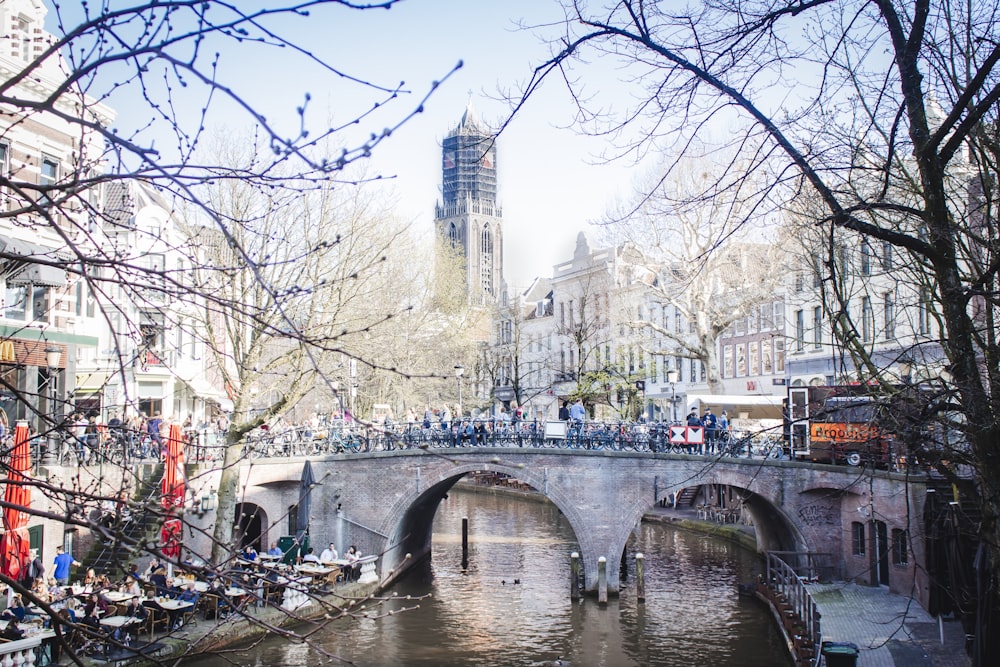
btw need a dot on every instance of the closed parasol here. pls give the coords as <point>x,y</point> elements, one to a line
<point>306,483</point>
<point>173,489</point>
<point>15,545</point>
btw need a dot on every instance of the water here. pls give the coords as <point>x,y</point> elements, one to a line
<point>692,615</point>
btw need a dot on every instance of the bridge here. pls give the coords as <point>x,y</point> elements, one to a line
<point>384,502</point>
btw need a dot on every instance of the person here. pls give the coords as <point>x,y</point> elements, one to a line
<point>329,554</point>
<point>154,565</point>
<point>16,611</point>
<point>428,416</point>
<point>62,564</point>
<point>564,411</point>
<point>159,580</point>
<point>92,611</point>
<point>249,553</point>
<point>578,412</point>
<point>12,632</point>
<point>35,569</point>
<point>90,579</point>
<point>310,557</point>
<point>692,419</point>
<point>153,429</point>
<point>188,594</point>
<point>709,422</point>
<point>353,556</point>
<point>274,550</point>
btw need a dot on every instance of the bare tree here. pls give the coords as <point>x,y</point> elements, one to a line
<point>712,265</point>
<point>274,291</point>
<point>853,125</point>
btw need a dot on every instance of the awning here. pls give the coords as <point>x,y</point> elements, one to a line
<point>202,389</point>
<point>20,267</point>
<point>94,381</point>
<point>760,406</point>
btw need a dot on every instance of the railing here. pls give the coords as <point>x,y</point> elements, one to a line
<point>790,599</point>
<point>20,651</point>
<point>659,437</point>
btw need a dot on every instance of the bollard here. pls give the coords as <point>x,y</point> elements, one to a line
<point>574,576</point>
<point>465,543</point>
<point>602,581</point>
<point>640,577</point>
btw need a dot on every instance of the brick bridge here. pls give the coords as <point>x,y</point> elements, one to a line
<point>385,502</point>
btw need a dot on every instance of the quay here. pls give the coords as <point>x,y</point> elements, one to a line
<point>889,629</point>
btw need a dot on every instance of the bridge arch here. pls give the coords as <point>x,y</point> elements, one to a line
<point>409,521</point>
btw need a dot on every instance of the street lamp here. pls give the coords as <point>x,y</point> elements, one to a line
<point>459,372</point>
<point>53,357</point>
<point>672,377</point>
<point>905,368</point>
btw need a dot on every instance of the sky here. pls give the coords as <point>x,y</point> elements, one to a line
<point>551,183</point>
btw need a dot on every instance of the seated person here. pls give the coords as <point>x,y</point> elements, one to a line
<point>188,594</point>
<point>310,557</point>
<point>154,565</point>
<point>329,554</point>
<point>353,556</point>
<point>274,550</point>
<point>249,553</point>
<point>15,611</point>
<point>12,632</point>
<point>89,579</point>
<point>159,579</point>
<point>92,611</point>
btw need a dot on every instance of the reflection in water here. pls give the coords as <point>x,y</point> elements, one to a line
<point>692,615</point>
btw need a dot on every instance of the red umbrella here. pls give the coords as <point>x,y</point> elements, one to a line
<point>173,489</point>
<point>174,483</point>
<point>15,544</point>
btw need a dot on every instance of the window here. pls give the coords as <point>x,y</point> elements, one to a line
<point>4,172</point>
<point>886,256</point>
<point>867,319</point>
<point>924,312</point>
<point>486,270</point>
<point>866,258</point>
<point>693,368</point>
<point>817,327</point>
<point>727,361</point>
<point>779,315</point>
<point>766,368</point>
<point>800,330</point>
<point>857,538</point>
<point>753,321</point>
<point>779,356</point>
<point>900,555</point>
<point>890,316</point>
<point>40,304</point>
<point>15,302</point>
<point>741,360</point>
<point>800,281</point>
<point>48,176</point>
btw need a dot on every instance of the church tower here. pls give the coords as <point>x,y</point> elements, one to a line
<point>468,216</point>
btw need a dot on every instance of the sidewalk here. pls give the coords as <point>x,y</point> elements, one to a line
<point>890,630</point>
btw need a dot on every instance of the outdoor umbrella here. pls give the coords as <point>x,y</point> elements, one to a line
<point>15,544</point>
<point>308,481</point>
<point>173,491</point>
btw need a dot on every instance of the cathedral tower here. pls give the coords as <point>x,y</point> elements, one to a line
<point>468,215</point>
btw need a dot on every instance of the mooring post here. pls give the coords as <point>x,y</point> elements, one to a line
<point>602,581</point>
<point>574,576</point>
<point>465,543</point>
<point>640,577</point>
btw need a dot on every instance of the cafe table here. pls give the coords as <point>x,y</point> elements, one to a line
<point>118,596</point>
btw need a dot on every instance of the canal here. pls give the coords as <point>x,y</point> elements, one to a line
<point>512,605</point>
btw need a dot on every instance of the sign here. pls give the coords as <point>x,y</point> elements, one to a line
<point>7,353</point>
<point>504,393</point>
<point>842,432</point>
